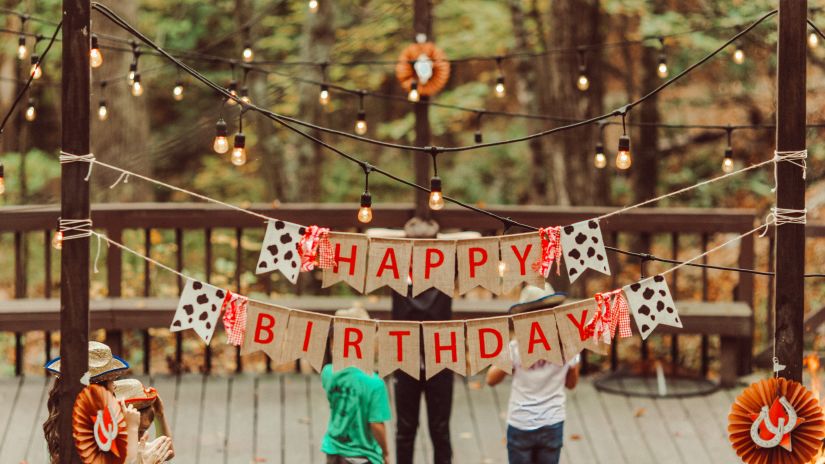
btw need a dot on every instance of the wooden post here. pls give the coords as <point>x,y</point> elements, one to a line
<point>790,190</point>
<point>74,266</point>
<point>422,24</point>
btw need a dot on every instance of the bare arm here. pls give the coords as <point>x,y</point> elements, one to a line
<point>162,425</point>
<point>572,377</point>
<point>379,431</point>
<point>495,376</point>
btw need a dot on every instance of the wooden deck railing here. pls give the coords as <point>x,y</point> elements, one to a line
<point>37,223</point>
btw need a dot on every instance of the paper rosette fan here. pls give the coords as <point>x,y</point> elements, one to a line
<point>799,445</point>
<point>99,427</point>
<point>425,64</point>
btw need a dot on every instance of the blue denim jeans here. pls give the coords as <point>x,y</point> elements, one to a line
<point>540,446</point>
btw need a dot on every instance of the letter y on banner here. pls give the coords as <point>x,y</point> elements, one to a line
<point>572,321</point>
<point>444,347</point>
<point>399,347</point>
<point>306,338</point>
<point>349,257</point>
<point>518,253</point>
<point>265,330</point>
<point>488,343</point>
<point>353,344</point>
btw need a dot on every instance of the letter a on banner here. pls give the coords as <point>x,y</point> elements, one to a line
<point>265,330</point>
<point>571,320</point>
<point>349,257</point>
<point>518,253</point>
<point>433,265</point>
<point>488,343</point>
<point>353,344</point>
<point>388,264</point>
<point>478,264</point>
<point>444,347</point>
<point>399,347</point>
<point>538,338</point>
<point>306,338</point>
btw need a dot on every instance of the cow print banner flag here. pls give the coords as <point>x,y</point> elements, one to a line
<point>583,248</point>
<point>651,304</point>
<point>198,309</point>
<point>279,250</point>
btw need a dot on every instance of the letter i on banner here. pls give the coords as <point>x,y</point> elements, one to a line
<point>488,343</point>
<point>538,338</point>
<point>478,264</point>
<point>265,330</point>
<point>444,347</point>
<point>399,347</point>
<point>433,265</point>
<point>572,320</point>
<point>349,254</point>
<point>518,254</point>
<point>353,344</point>
<point>388,264</point>
<point>306,338</point>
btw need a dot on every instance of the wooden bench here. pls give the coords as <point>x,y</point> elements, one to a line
<point>732,321</point>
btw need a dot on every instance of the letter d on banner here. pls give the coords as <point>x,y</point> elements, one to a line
<point>488,343</point>
<point>265,330</point>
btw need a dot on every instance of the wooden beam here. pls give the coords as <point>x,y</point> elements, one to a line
<point>422,24</point>
<point>789,308</point>
<point>74,267</point>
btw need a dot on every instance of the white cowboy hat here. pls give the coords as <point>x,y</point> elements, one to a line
<point>103,365</point>
<point>533,298</point>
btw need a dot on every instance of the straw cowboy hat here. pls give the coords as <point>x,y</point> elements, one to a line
<point>103,365</point>
<point>132,391</point>
<point>533,298</point>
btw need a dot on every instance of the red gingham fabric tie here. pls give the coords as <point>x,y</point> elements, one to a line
<point>550,251</point>
<point>315,249</point>
<point>613,313</point>
<point>234,318</point>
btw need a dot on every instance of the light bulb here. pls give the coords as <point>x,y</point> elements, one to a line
<point>137,87</point>
<point>727,163</point>
<point>36,69</point>
<point>233,90</point>
<point>238,157</point>
<point>95,57</point>
<point>245,95</point>
<point>248,54</point>
<point>323,97</point>
<point>102,111</point>
<point>500,89</point>
<point>365,211</point>
<point>414,96</point>
<point>502,268</point>
<point>361,123</point>
<point>599,160</point>
<point>22,51</point>
<point>221,143</point>
<point>623,157</point>
<point>583,83</point>
<point>132,72</point>
<point>661,70</point>
<point>313,6</point>
<point>177,91</point>
<point>813,40</point>
<point>436,197</point>
<point>31,111</point>
<point>57,240</point>
<point>738,56</point>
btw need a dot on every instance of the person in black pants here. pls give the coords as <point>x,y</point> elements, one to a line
<point>430,305</point>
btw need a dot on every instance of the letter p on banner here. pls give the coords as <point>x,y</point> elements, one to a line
<point>265,330</point>
<point>478,264</point>
<point>488,343</point>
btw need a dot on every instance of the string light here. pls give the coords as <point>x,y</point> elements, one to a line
<point>248,55</point>
<point>132,72</point>
<point>661,69</point>
<point>221,143</point>
<point>727,162</point>
<point>413,96</point>
<point>31,111</point>
<point>582,82</point>
<point>37,67</point>
<point>137,87</point>
<point>623,156</point>
<point>133,66</point>
<point>738,55</point>
<point>365,211</point>
<point>57,240</point>
<point>238,156</point>
<point>177,91</point>
<point>323,96</point>
<point>361,120</point>
<point>478,138</point>
<point>313,6</point>
<point>599,159</point>
<point>245,95</point>
<point>22,51</point>
<point>102,110</point>
<point>813,40</point>
<point>436,196</point>
<point>233,90</point>
<point>95,57</point>
<point>499,88</point>
<point>2,180</point>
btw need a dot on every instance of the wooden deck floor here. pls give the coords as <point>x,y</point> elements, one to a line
<point>281,419</point>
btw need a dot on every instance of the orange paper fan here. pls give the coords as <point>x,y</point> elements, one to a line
<point>405,70</point>
<point>99,427</point>
<point>805,439</point>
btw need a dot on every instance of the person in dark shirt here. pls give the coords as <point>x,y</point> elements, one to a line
<point>430,305</point>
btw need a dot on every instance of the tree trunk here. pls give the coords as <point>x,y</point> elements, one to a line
<point>644,172</point>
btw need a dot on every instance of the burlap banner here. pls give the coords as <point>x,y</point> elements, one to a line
<point>388,264</point>
<point>518,253</point>
<point>399,347</point>
<point>478,264</point>
<point>488,344</point>
<point>538,338</point>
<point>265,330</point>
<point>353,344</point>
<point>349,253</point>
<point>444,347</point>
<point>433,265</point>
<point>571,320</point>
<point>306,338</point>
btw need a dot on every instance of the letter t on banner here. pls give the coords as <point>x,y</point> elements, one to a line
<point>444,347</point>
<point>488,343</point>
<point>306,338</point>
<point>399,347</point>
<point>353,344</point>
